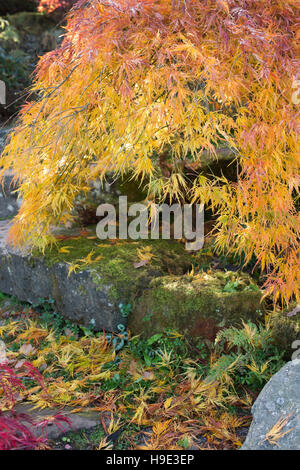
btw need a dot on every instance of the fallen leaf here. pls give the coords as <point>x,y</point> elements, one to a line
<point>168,403</point>
<point>148,375</point>
<point>277,431</point>
<point>27,349</point>
<point>64,249</point>
<point>139,264</point>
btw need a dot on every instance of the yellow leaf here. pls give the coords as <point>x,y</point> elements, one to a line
<point>64,249</point>
<point>168,403</point>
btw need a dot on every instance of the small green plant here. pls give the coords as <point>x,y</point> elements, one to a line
<point>50,318</point>
<point>125,309</point>
<point>185,443</point>
<point>3,296</point>
<point>149,350</point>
<point>85,439</point>
<point>246,356</point>
<point>232,286</point>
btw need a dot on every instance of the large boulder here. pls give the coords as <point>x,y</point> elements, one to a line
<point>276,412</point>
<point>92,283</point>
<point>92,293</point>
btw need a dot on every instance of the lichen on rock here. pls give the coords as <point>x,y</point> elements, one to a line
<point>278,405</point>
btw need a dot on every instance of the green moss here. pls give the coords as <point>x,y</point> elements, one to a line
<point>161,292</point>
<point>115,267</point>
<point>197,305</point>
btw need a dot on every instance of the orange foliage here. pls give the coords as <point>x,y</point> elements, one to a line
<point>134,78</point>
<point>50,6</point>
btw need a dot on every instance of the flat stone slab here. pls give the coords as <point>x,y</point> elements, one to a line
<point>31,279</point>
<point>277,404</point>
<point>77,421</point>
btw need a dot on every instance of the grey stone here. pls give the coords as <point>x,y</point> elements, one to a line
<point>77,421</point>
<point>77,296</point>
<point>9,201</point>
<point>4,131</point>
<point>279,399</point>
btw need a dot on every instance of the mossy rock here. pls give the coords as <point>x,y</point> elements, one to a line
<point>161,293</point>
<point>197,306</point>
<point>285,330</point>
<point>89,278</point>
<point>115,265</point>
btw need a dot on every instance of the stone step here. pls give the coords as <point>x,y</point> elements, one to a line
<point>83,420</point>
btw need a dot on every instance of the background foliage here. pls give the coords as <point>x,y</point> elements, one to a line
<point>50,6</point>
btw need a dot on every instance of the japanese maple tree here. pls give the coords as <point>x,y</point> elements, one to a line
<point>135,79</point>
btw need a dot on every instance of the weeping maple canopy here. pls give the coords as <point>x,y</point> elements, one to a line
<point>134,78</point>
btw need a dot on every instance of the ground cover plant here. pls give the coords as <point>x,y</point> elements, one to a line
<point>151,394</point>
